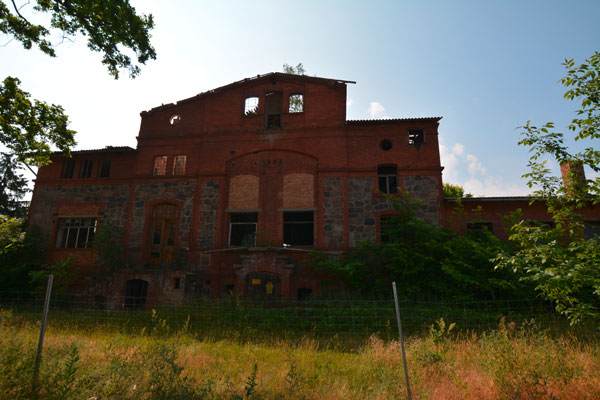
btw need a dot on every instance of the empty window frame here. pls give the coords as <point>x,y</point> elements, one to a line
<point>273,111</point>
<point>85,170</point>
<point>179,165</point>
<point>75,233</point>
<point>251,106</point>
<point>296,103</point>
<point>416,137</point>
<point>68,169</point>
<point>104,169</point>
<point>480,226</point>
<point>298,228</point>
<point>242,229</point>
<point>160,165</point>
<point>387,176</point>
<point>592,229</point>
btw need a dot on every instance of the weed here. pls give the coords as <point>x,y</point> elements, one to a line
<point>251,384</point>
<point>65,379</point>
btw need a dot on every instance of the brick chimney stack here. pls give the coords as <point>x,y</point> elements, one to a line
<point>572,174</point>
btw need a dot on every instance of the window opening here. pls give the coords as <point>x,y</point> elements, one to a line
<point>136,291</point>
<point>296,103</point>
<point>104,169</point>
<point>273,113</point>
<point>177,283</point>
<point>162,251</point>
<point>298,228</point>
<point>174,119</point>
<point>480,226</point>
<point>242,230</point>
<point>179,165</point>
<point>85,171</point>
<point>388,178</point>
<point>68,168</point>
<point>385,145</point>
<point>385,224</point>
<point>304,294</point>
<point>251,106</point>
<point>416,137</point>
<point>75,233</point>
<point>160,165</point>
<point>592,228</point>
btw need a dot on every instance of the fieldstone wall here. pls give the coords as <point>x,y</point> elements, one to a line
<point>112,200</point>
<point>333,212</point>
<point>209,205</point>
<point>425,187</point>
<point>180,191</point>
<point>361,204</point>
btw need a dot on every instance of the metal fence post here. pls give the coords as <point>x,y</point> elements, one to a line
<point>38,356</point>
<point>401,340</point>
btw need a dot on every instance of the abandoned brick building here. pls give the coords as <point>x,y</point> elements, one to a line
<point>231,190</point>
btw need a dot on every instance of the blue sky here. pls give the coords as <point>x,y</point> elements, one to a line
<point>486,67</point>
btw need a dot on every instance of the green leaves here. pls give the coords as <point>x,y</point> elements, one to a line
<point>29,129</point>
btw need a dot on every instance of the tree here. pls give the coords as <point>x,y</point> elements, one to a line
<point>563,264</point>
<point>297,70</point>
<point>457,191</point>
<point>13,187</point>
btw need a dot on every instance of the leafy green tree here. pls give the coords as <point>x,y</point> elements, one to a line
<point>451,190</point>
<point>13,187</point>
<point>297,70</point>
<point>563,264</point>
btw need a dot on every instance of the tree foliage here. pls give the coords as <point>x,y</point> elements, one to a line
<point>563,264</point>
<point>13,187</point>
<point>109,25</point>
<point>457,191</point>
<point>297,70</point>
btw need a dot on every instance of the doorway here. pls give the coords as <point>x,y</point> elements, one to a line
<point>262,286</point>
<point>163,233</point>
<point>136,291</point>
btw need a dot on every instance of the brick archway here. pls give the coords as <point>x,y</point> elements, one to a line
<point>264,261</point>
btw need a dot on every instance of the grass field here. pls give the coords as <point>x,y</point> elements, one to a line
<point>171,358</point>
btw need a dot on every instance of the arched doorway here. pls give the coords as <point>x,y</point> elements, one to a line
<point>263,286</point>
<point>162,240</point>
<point>136,291</point>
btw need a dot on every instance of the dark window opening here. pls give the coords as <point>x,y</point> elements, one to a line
<point>273,111</point>
<point>177,283</point>
<point>385,224</point>
<point>480,226</point>
<point>68,168</point>
<point>385,145</point>
<point>298,228</point>
<point>296,103</point>
<point>388,178</point>
<point>304,294</point>
<point>85,170</point>
<point>75,233</point>
<point>416,137</point>
<point>104,170</point>
<point>251,106</point>
<point>242,230</point>
<point>592,228</point>
<point>136,291</point>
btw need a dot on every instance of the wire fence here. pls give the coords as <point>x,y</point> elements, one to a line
<point>315,317</point>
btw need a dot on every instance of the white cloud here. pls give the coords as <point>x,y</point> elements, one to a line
<point>493,186</point>
<point>449,161</point>
<point>458,149</point>
<point>376,110</point>
<point>475,166</point>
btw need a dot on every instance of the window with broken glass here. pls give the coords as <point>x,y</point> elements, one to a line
<point>160,165</point>
<point>298,228</point>
<point>75,233</point>
<point>296,103</point>
<point>179,165</point>
<point>387,176</point>
<point>242,229</point>
<point>416,137</point>
<point>251,106</point>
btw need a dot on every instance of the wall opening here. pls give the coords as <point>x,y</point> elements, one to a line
<point>273,111</point>
<point>242,229</point>
<point>387,176</point>
<point>298,228</point>
<point>136,291</point>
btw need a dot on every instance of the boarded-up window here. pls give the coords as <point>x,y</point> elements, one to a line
<point>160,165</point>
<point>243,192</point>
<point>298,190</point>
<point>179,165</point>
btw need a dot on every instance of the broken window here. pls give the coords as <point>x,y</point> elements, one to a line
<point>273,112</point>
<point>160,165</point>
<point>104,169</point>
<point>388,178</point>
<point>85,170</point>
<point>251,106</point>
<point>75,233</point>
<point>242,230</point>
<point>296,103</point>
<point>592,229</point>
<point>480,226</point>
<point>298,228</point>
<point>179,165</point>
<point>416,137</point>
<point>68,168</point>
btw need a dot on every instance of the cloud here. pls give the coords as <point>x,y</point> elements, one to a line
<point>450,161</point>
<point>475,166</point>
<point>458,149</point>
<point>493,186</point>
<point>376,110</point>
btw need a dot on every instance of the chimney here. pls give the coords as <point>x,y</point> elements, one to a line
<point>573,175</point>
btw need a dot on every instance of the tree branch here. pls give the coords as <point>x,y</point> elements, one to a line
<point>17,11</point>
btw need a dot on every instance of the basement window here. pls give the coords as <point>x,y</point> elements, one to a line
<point>160,165</point>
<point>416,137</point>
<point>242,230</point>
<point>104,169</point>
<point>387,176</point>
<point>179,165</point>
<point>68,168</point>
<point>85,170</point>
<point>251,106</point>
<point>75,233</point>
<point>273,112</point>
<point>296,103</point>
<point>298,228</point>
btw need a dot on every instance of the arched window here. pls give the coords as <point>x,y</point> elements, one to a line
<point>163,234</point>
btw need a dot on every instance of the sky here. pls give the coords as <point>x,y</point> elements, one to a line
<point>486,67</point>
